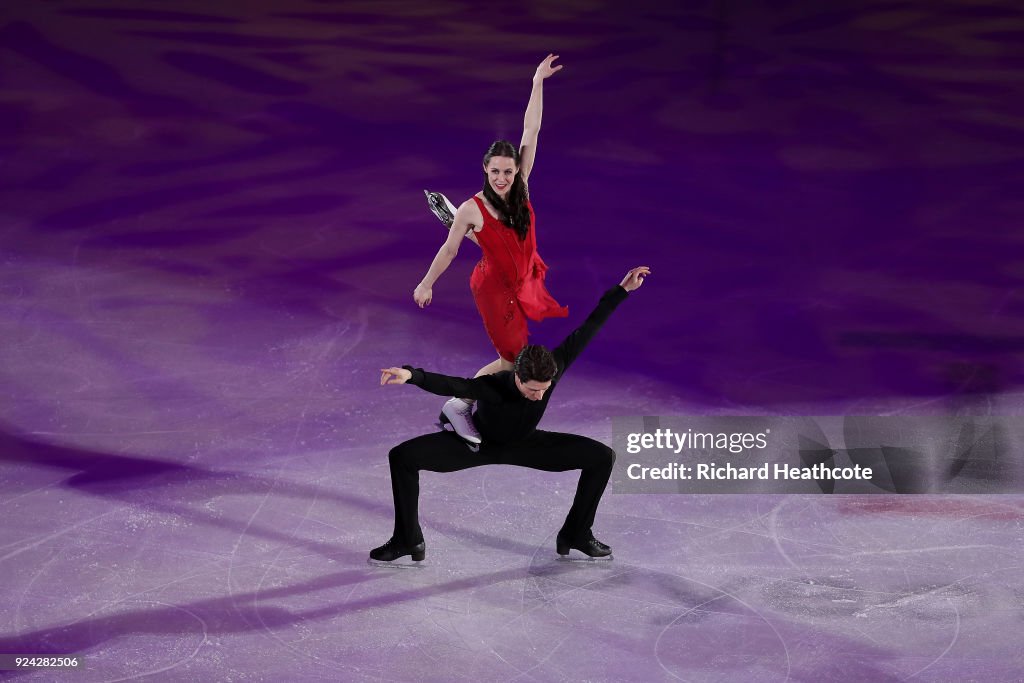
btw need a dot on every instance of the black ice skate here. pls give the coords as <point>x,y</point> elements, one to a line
<point>588,545</point>
<point>386,554</point>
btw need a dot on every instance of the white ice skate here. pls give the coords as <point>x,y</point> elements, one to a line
<point>459,415</point>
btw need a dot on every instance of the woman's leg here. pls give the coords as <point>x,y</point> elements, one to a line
<point>495,366</point>
<point>506,327</point>
<point>459,411</point>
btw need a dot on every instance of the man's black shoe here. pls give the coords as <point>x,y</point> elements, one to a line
<point>589,546</point>
<point>393,549</point>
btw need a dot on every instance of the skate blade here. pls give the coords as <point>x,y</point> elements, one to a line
<point>441,208</point>
<point>585,558</point>
<point>396,564</point>
<point>439,200</point>
<point>446,426</point>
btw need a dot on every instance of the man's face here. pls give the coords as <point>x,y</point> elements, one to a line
<point>532,389</point>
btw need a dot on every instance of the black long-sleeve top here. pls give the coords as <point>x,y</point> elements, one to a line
<point>502,413</point>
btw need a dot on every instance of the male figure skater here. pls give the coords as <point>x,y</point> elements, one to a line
<point>509,406</point>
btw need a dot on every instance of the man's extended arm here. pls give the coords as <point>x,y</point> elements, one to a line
<point>442,385</point>
<point>566,352</point>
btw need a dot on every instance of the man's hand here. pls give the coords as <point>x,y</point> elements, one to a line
<point>635,278</point>
<point>394,376</point>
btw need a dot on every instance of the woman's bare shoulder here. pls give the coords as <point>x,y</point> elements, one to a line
<point>473,214</point>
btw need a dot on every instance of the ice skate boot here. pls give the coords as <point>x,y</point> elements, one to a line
<point>459,415</point>
<point>441,207</point>
<point>588,545</point>
<point>394,549</point>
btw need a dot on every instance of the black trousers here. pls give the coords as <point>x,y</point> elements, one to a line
<point>548,451</point>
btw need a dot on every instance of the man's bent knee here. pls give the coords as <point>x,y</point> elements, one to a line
<point>609,456</point>
<point>399,455</point>
<point>603,456</point>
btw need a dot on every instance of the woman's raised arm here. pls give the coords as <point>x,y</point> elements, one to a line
<point>534,113</point>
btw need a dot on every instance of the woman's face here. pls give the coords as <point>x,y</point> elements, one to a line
<point>501,171</point>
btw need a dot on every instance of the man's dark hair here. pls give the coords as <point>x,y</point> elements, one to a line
<point>535,363</point>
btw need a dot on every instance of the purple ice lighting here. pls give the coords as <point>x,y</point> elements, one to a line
<point>211,223</point>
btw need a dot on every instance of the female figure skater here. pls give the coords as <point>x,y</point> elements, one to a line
<point>508,282</point>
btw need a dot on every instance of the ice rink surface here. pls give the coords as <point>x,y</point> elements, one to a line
<point>211,223</point>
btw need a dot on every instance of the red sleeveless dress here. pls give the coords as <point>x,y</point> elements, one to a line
<point>508,284</point>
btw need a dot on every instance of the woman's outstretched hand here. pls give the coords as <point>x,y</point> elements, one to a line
<point>394,376</point>
<point>635,278</point>
<point>545,69</point>
<point>422,295</point>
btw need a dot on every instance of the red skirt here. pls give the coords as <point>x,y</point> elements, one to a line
<point>505,305</point>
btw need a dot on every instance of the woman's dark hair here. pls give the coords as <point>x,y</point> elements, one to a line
<point>514,213</point>
<point>535,363</point>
